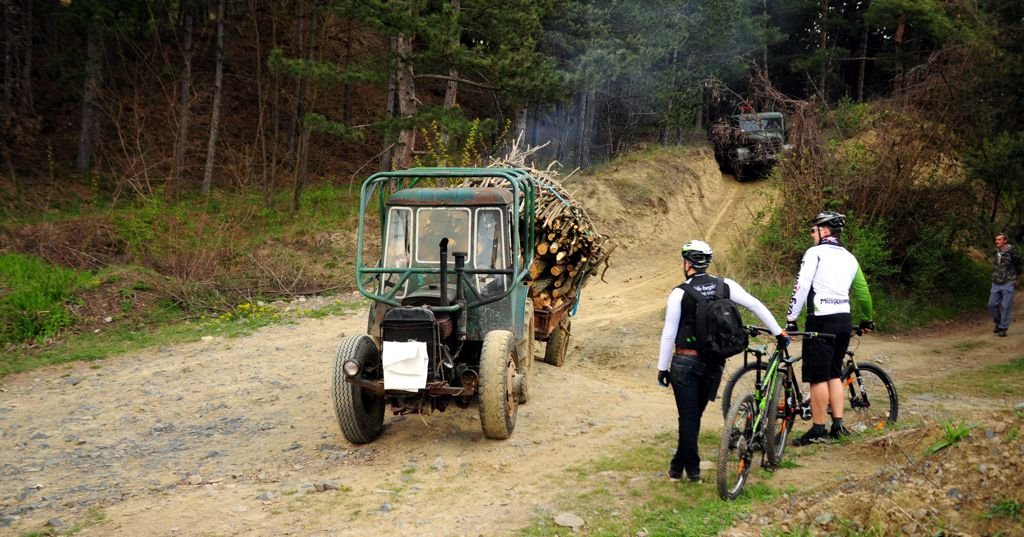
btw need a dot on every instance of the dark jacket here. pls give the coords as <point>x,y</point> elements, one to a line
<point>1006,265</point>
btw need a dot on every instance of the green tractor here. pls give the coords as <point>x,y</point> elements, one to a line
<point>451,320</point>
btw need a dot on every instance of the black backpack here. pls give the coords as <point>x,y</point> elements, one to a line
<point>720,330</point>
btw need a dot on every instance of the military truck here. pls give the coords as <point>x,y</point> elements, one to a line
<point>445,256</point>
<point>746,143</point>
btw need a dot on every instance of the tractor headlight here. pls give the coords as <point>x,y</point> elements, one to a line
<point>351,368</point>
<point>742,153</point>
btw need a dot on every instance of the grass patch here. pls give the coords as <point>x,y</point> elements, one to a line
<point>94,516</point>
<point>162,326</point>
<point>628,492</point>
<point>951,434</point>
<point>33,298</point>
<point>965,346</point>
<point>211,256</point>
<point>1002,380</point>
<point>1010,509</point>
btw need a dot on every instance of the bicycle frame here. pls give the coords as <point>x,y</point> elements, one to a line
<point>792,401</point>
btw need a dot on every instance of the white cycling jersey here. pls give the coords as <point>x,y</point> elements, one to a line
<point>826,273</point>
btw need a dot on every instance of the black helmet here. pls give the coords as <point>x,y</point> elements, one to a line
<point>829,219</point>
<point>698,253</point>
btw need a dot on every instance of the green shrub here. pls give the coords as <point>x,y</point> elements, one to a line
<point>33,298</point>
<point>850,117</point>
<point>951,434</point>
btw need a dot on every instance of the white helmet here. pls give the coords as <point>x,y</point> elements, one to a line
<point>698,253</point>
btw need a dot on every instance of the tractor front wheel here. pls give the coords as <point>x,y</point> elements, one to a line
<point>360,412</point>
<point>499,398</point>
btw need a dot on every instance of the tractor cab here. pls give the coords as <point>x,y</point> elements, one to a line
<point>477,230</point>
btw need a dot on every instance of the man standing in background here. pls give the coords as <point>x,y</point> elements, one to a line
<point>1005,268</point>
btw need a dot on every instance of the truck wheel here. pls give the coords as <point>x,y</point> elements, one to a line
<point>526,355</point>
<point>558,343</point>
<point>740,171</point>
<point>360,413</point>
<point>499,402</point>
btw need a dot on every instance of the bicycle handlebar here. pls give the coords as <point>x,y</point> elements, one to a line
<point>757,330</point>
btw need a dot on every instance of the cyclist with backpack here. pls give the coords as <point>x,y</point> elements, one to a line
<point>828,272</point>
<point>702,328</point>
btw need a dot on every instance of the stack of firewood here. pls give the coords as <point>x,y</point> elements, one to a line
<point>568,250</point>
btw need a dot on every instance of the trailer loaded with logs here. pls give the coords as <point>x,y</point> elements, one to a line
<point>466,268</point>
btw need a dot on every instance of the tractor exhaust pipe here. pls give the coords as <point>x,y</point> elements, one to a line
<point>443,257</point>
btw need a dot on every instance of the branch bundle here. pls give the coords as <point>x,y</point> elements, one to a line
<point>568,250</point>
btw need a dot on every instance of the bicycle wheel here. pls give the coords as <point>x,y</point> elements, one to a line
<point>787,411</point>
<point>741,382</point>
<point>736,451</point>
<point>873,400</point>
<point>772,418</point>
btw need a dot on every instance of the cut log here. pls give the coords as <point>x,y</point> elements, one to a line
<point>564,290</point>
<point>537,268</point>
<point>539,286</point>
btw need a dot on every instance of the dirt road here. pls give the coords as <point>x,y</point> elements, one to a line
<point>237,436</point>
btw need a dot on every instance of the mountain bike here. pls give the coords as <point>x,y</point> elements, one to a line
<point>760,421</point>
<point>864,381</point>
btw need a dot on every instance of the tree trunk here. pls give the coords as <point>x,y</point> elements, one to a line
<point>275,122</point>
<point>586,127</point>
<point>26,65</point>
<point>185,99</point>
<point>302,167</point>
<point>7,107</point>
<point>764,36</point>
<point>667,124</point>
<point>522,120</point>
<point>346,105</point>
<point>898,39</point>
<point>862,62</point>
<point>211,149</point>
<point>391,110</point>
<point>452,89</point>
<point>298,106</point>
<point>406,100</point>
<point>9,51</point>
<point>823,46</point>
<point>260,134</point>
<point>90,93</point>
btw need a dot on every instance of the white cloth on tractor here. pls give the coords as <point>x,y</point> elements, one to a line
<point>405,365</point>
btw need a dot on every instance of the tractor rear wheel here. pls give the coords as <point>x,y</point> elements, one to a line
<point>558,343</point>
<point>499,400</point>
<point>360,412</point>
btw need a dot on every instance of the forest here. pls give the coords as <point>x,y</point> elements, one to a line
<point>904,114</point>
<point>184,95</point>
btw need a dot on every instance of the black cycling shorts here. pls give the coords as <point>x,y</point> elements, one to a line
<point>823,358</point>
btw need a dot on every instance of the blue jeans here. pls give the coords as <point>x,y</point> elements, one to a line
<point>1000,301</point>
<point>693,383</point>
